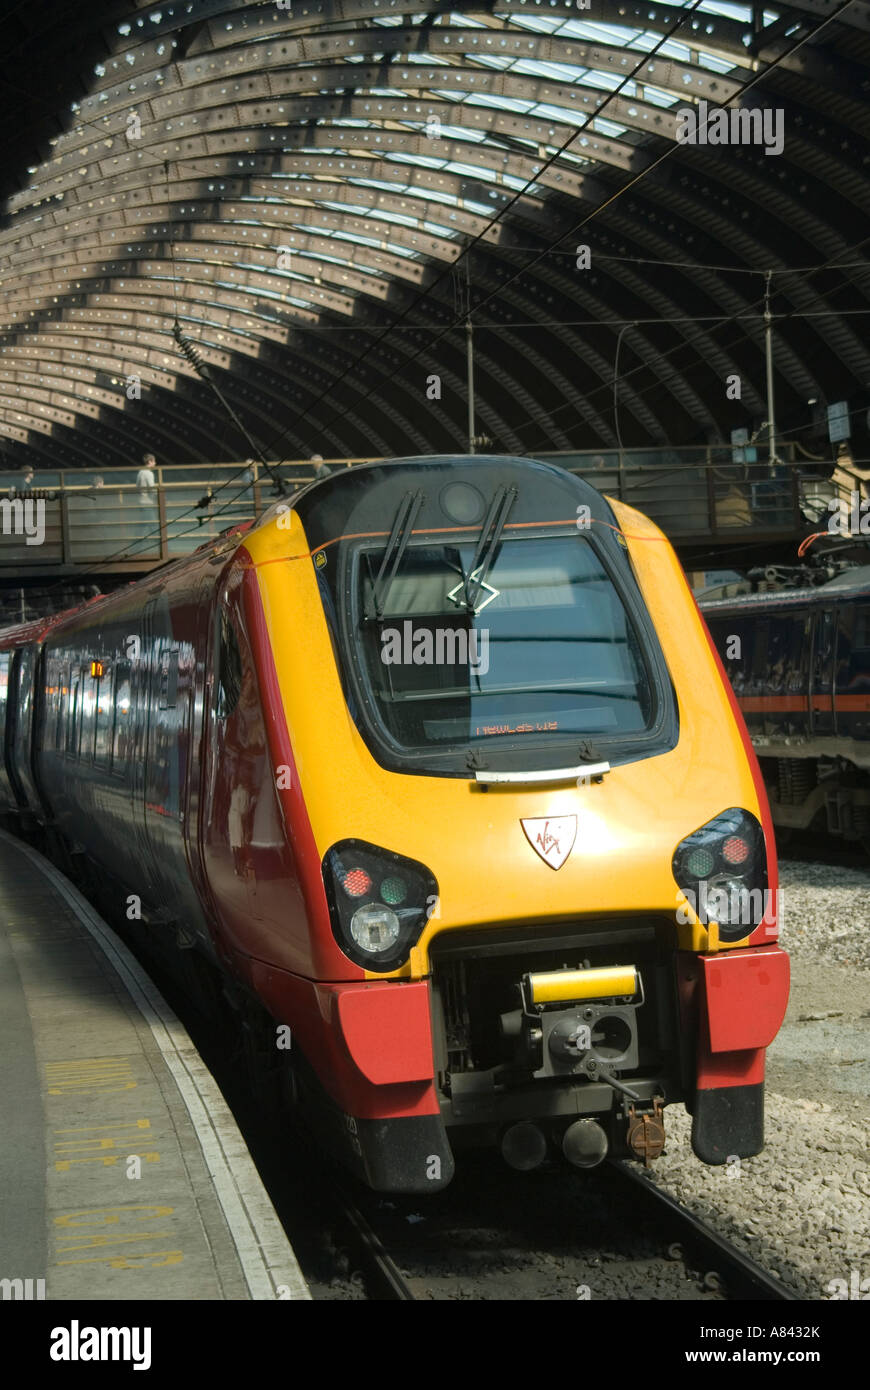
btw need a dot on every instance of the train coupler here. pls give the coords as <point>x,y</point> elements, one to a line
<point>646,1131</point>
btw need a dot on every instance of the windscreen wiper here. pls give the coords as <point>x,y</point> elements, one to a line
<point>403,526</point>
<point>487,544</point>
<point>594,768</point>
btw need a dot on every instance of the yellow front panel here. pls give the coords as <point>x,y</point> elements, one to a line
<point>627,826</point>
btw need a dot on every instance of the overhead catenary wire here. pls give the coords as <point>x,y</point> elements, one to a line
<point>744,310</point>
<point>782,435</point>
<point>680,19</point>
<point>687,265</point>
<point>495,325</point>
<point>202,370</point>
<point>667,354</point>
<point>607,202</point>
<point>383,333</point>
<point>683,15</point>
<point>622,330</point>
<point>604,386</point>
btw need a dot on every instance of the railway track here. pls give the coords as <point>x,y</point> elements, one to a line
<point>735,1272</point>
<point>717,1269</point>
<point>381,1275</point>
<point>404,1250</point>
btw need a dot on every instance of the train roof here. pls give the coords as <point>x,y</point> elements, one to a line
<point>853,583</point>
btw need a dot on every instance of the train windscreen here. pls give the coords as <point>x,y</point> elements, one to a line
<point>538,646</point>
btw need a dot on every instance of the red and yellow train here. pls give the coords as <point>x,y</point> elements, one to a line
<point>436,767</point>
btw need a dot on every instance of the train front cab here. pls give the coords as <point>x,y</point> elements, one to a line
<point>564,982</point>
<point>491,1050</point>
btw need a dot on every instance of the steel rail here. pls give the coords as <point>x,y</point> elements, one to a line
<point>742,1276</point>
<point>383,1277</point>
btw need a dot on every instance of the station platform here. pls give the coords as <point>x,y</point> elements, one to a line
<point>123,1174</point>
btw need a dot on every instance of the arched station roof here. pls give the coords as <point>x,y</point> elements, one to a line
<point>317,191</point>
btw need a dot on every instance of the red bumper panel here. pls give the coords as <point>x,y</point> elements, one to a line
<point>745,995</point>
<point>743,998</point>
<point>386,1029</point>
<point>370,1045</point>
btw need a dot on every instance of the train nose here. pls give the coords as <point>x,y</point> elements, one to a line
<point>585,1144</point>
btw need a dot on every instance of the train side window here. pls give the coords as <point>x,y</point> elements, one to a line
<point>103,717</point>
<point>799,655</point>
<point>778,652</point>
<point>861,638</point>
<point>229,669</point>
<point>87,721</point>
<point>761,654</point>
<point>48,687</point>
<point>168,692</point>
<point>823,650</point>
<point>73,719</point>
<point>63,679</point>
<point>853,650</point>
<point>121,728</point>
<point>4,688</point>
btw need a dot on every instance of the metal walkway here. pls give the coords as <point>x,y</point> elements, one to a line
<point>78,524</point>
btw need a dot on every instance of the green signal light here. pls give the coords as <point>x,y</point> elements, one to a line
<point>700,863</point>
<point>393,891</point>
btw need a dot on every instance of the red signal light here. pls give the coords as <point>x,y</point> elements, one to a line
<point>356,882</point>
<point>735,850</point>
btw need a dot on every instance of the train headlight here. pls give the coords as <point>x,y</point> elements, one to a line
<point>379,902</point>
<point>374,928</point>
<point>721,870</point>
<point>724,902</point>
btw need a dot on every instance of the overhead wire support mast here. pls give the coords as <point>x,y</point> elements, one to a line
<point>768,354</point>
<point>469,352</point>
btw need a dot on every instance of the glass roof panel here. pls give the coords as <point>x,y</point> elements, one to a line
<point>425,160</point>
<point>709,60</point>
<point>562,72</point>
<point>500,103</point>
<point>742,13</point>
<point>329,153</point>
<point>657,98</point>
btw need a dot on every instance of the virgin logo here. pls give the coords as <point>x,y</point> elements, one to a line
<point>551,838</point>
